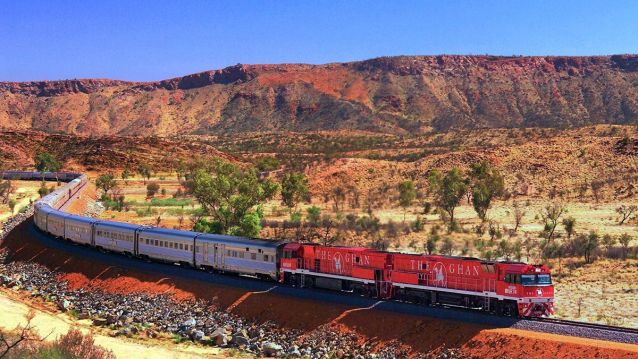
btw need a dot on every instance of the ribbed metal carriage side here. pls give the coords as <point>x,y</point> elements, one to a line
<point>168,245</point>
<point>115,236</point>
<point>238,254</point>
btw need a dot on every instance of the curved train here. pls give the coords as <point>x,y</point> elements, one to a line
<point>500,287</point>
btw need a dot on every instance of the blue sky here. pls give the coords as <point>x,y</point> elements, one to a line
<point>152,40</point>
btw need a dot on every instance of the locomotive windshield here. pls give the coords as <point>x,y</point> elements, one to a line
<point>536,279</point>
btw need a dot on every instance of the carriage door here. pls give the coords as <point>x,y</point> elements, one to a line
<point>205,249</point>
<point>222,254</point>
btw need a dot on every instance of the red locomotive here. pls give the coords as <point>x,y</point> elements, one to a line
<point>508,288</point>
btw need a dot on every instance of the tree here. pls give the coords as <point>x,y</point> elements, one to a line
<point>313,214</point>
<point>608,241</point>
<point>624,240</point>
<point>106,182</point>
<point>486,185</point>
<point>265,164</point>
<point>294,188</point>
<point>626,213</point>
<point>569,224</point>
<point>152,188</point>
<point>590,245</point>
<point>126,174</point>
<point>407,194</point>
<point>43,190</point>
<point>448,190</point>
<point>6,189</point>
<point>12,204</point>
<point>447,246</point>
<point>24,334</point>
<point>145,171</point>
<point>433,238</point>
<point>519,213</point>
<point>551,215</point>
<point>231,196</point>
<point>46,162</point>
<point>338,195</point>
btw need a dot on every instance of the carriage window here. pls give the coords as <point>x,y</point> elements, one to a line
<point>228,254</point>
<point>356,259</point>
<point>253,256</point>
<point>196,249</point>
<point>241,254</point>
<point>260,251</point>
<point>181,246</point>
<point>266,258</point>
<point>246,249</point>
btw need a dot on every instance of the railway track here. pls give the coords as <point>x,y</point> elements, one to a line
<point>573,323</point>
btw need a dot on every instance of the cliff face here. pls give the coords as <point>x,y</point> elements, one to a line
<point>394,94</point>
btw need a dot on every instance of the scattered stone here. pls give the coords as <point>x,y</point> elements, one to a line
<point>271,349</point>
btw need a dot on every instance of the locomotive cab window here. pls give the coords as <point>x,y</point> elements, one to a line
<point>536,279</point>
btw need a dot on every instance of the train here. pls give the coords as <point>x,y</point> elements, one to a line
<point>499,287</point>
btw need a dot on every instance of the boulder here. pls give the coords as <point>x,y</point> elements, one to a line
<point>197,335</point>
<point>218,337</point>
<point>271,349</point>
<point>100,322</point>
<point>190,323</point>
<point>239,340</point>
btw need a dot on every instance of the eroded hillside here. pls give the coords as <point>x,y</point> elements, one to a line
<point>390,95</point>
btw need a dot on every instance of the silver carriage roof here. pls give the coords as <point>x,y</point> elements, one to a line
<point>226,239</point>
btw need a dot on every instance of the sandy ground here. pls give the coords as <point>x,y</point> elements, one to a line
<point>24,190</point>
<point>51,324</point>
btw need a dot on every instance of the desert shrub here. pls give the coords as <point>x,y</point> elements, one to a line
<point>152,188</point>
<point>418,224</point>
<point>72,345</point>
<point>264,164</point>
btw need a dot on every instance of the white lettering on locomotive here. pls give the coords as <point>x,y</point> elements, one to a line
<point>463,270</point>
<point>340,260</point>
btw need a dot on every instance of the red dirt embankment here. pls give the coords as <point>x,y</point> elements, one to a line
<point>422,334</point>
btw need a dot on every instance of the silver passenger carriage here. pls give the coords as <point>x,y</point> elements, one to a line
<point>167,245</point>
<point>41,213</point>
<point>79,229</point>
<point>55,223</point>
<point>116,236</point>
<point>242,255</point>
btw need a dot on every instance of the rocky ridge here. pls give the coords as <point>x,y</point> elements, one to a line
<point>405,94</point>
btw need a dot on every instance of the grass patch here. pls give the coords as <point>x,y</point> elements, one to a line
<point>164,202</point>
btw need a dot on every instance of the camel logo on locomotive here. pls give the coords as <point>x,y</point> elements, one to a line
<point>340,261</point>
<point>439,272</point>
